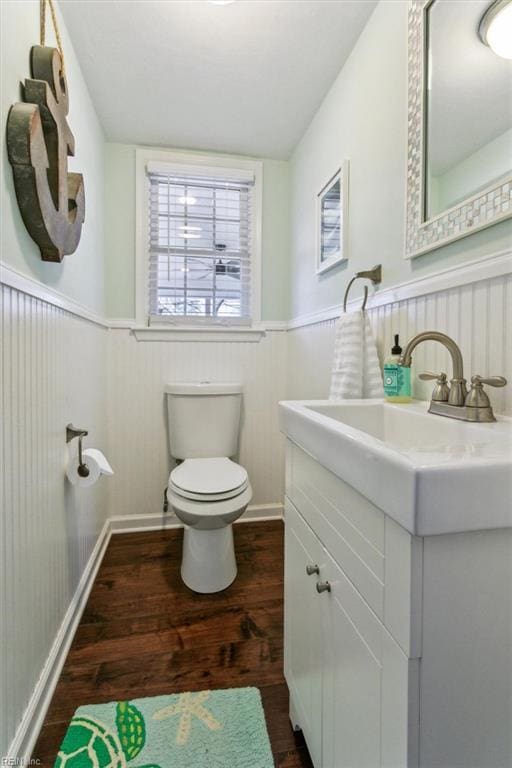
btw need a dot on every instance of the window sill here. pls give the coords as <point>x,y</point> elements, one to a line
<point>193,333</point>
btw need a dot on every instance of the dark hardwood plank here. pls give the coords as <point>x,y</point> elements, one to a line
<point>144,633</point>
<point>161,633</point>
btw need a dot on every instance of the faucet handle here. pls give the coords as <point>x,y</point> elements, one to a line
<point>441,390</point>
<point>492,381</point>
<point>477,397</point>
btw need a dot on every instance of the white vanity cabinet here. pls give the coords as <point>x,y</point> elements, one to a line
<point>349,678</point>
<point>405,662</point>
<point>341,664</point>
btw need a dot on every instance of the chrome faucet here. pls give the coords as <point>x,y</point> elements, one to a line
<point>453,400</point>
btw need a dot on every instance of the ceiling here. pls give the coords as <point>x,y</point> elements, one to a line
<point>244,78</point>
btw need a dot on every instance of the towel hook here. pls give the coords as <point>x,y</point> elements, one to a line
<point>375,275</point>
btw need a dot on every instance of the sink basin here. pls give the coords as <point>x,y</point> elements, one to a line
<point>431,474</point>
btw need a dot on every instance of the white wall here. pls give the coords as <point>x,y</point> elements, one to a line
<point>53,371</point>
<point>61,364</point>
<point>364,118</point>
<point>140,369</point>
<point>138,441</point>
<point>81,275</point>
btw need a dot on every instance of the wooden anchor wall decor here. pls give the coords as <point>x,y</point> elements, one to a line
<point>39,140</point>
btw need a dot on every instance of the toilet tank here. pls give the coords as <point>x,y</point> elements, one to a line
<point>204,419</point>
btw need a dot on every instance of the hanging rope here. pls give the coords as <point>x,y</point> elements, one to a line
<point>42,27</point>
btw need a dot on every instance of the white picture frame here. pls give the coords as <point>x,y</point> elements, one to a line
<point>332,221</point>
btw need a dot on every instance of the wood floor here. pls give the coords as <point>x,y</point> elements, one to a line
<point>143,633</point>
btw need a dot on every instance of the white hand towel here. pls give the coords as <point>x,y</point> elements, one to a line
<point>355,371</point>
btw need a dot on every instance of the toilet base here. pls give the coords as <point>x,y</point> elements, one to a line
<point>208,562</point>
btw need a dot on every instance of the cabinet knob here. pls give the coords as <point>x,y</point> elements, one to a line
<point>311,569</point>
<point>323,586</point>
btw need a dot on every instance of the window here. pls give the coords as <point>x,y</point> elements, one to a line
<point>201,240</point>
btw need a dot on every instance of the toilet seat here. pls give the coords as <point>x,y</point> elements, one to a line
<point>207,480</point>
<point>210,515</point>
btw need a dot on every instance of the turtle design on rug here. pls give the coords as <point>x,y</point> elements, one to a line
<point>89,743</point>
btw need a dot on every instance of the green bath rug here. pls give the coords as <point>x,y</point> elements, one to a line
<point>206,729</point>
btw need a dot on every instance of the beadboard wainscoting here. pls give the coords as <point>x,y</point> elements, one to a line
<point>54,371</point>
<point>61,363</point>
<point>138,437</point>
<point>477,315</point>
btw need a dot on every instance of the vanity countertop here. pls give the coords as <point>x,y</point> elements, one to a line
<point>431,474</point>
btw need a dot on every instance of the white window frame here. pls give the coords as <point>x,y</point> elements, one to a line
<point>215,162</point>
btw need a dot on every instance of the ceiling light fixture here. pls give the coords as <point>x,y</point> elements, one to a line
<point>221,2</point>
<point>495,28</point>
<point>186,200</point>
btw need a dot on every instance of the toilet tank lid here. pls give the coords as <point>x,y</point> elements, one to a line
<point>204,388</point>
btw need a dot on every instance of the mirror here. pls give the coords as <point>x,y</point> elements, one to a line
<point>459,171</point>
<point>468,142</point>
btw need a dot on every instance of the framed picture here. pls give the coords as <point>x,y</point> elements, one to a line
<point>332,221</point>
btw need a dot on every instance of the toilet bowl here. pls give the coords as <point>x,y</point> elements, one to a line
<point>208,495</point>
<point>207,490</point>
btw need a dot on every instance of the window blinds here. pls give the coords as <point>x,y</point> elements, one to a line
<point>200,243</point>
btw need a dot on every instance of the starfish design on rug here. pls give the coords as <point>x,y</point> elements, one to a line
<point>188,705</point>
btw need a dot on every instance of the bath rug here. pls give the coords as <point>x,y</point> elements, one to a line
<point>204,729</point>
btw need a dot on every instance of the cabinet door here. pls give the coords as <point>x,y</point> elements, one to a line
<point>303,630</point>
<point>352,676</point>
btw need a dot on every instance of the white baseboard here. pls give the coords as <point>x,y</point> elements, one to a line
<point>135,523</point>
<point>262,512</point>
<point>161,521</point>
<point>33,718</point>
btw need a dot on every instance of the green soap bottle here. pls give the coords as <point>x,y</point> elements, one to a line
<point>397,378</point>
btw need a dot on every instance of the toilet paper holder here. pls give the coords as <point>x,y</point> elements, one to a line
<point>71,433</point>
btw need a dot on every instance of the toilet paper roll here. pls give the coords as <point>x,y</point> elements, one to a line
<point>97,464</point>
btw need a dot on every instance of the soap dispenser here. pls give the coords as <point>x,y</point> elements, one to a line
<point>397,378</point>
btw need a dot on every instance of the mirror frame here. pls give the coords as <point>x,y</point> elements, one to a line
<point>483,209</point>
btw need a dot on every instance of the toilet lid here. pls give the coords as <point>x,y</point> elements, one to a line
<point>209,477</point>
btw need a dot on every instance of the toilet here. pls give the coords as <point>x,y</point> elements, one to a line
<point>207,490</point>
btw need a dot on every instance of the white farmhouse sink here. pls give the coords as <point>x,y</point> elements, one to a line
<point>429,473</point>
